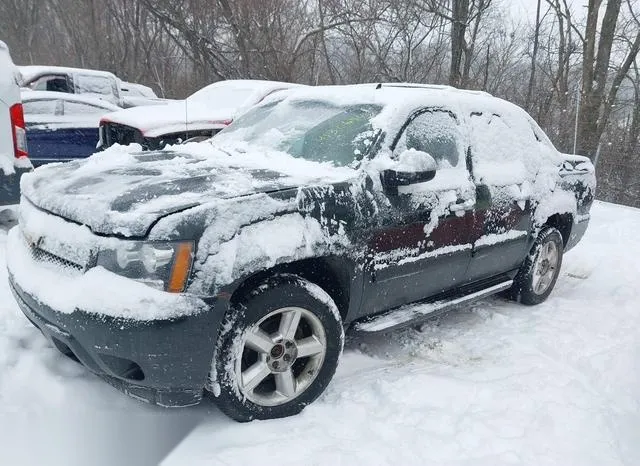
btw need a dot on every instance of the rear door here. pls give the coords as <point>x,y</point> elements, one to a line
<point>423,248</point>
<point>503,175</point>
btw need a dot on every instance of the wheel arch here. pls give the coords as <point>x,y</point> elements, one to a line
<point>563,223</point>
<point>331,273</point>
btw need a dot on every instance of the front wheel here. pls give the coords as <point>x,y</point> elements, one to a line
<point>278,350</point>
<point>538,274</point>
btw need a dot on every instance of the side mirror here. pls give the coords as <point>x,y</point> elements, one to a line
<point>413,167</point>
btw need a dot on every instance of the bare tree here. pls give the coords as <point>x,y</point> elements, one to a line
<point>597,101</point>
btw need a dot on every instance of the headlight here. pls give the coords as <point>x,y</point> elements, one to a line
<point>162,265</point>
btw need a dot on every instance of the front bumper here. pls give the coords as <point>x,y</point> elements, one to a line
<point>577,232</point>
<point>164,362</point>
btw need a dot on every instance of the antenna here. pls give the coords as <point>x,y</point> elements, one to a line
<point>186,119</point>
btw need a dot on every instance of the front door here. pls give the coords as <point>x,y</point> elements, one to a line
<point>423,248</point>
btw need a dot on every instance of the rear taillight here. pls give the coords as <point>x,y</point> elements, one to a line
<point>19,131</point>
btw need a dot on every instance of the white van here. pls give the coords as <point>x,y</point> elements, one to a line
<point>14,160</point>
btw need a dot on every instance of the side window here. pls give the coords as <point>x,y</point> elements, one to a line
<point>501,154</point>
<point>55,83</point>
<point>40,107</point>
<point>436,132</point>
<point>78,108</point>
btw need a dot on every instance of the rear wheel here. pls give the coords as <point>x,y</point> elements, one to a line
<point>278,350</point>
<point>539,272</point>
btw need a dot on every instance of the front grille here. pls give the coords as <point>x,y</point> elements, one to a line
<point>52,260</point>
<point>40,255</point>
<point>115,133</point>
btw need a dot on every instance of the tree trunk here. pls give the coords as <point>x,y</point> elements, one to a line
<point>594,76</point>
<point>459,19</point>
<point>534,56</point>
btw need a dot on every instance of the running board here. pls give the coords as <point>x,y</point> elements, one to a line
<point>414,313</point>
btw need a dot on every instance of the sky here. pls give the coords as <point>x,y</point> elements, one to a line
<point>526,9</point>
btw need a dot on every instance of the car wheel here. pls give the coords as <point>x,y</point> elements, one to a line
<point>277,351</point>
<point>538,274</point>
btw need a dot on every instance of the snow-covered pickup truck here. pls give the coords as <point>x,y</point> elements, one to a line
<point>234,266</point>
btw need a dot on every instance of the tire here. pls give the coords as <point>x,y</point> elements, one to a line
<point>260,340</point>
<point>535,279</point>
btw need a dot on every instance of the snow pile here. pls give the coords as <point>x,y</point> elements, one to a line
<point>6,164</point>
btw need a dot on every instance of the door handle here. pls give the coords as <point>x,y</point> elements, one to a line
<point>461,206</point>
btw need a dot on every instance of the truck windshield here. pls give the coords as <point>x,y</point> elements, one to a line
<point>311,130</point>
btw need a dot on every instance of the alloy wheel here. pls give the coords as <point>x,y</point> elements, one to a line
<point>281,356</point>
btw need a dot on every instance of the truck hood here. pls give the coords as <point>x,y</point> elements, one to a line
<point>116,192</point>
<point>172,118</point>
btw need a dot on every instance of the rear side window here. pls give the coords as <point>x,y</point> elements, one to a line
<point>79,108</point>
<point>436,132</point>
<point>40,107</point>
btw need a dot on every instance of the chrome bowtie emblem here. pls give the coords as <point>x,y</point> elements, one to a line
<point>32,241</point>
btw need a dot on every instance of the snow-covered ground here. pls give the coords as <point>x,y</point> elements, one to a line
<point>493,383</point>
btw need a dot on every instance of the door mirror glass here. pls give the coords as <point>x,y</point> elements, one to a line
<point>413,166</point>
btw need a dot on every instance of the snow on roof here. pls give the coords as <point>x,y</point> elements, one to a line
<point>257,84</point>
<point>28,95</point>
<point>395,94</point>
<point>31,72</point>
<point>399,100</point>
<point>239,92</point>
<point>441,87</point>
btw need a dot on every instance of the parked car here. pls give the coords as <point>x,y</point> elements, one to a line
<point>14,159</point>
<point>62,127</point>
<point>94,83</point>
<point>234,266</point>
<point>200,116</point>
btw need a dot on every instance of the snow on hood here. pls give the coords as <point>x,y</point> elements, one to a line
<point>125,193</point>
<point>172,117</point>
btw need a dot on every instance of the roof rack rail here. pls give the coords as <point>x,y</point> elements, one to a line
<point>431,86</point>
